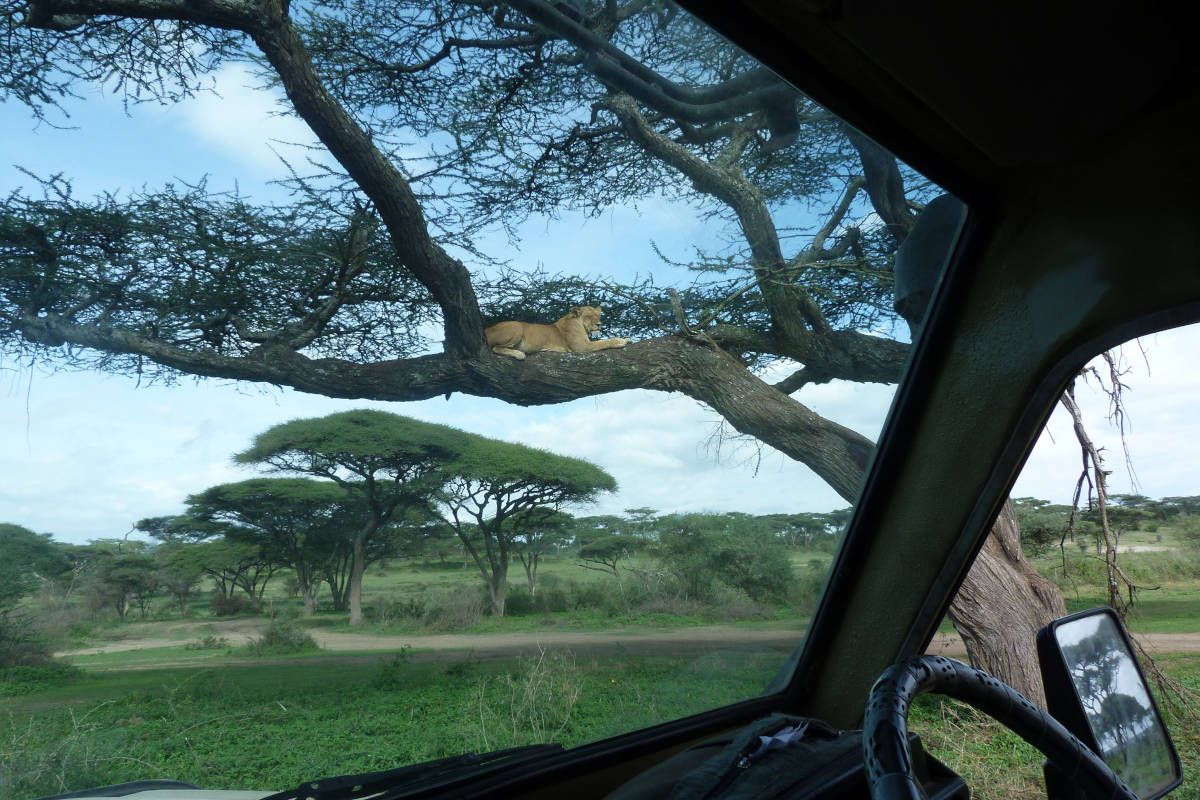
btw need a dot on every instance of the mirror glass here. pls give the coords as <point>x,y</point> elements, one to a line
<point>1128,731</point>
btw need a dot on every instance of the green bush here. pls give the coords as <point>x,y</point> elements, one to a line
<point>809,583</point>
<point>457,609</point>
<point>210,641</point>
<point>20,645</point>
<point>282,637</point>
<point>519,602</point>
<point>395,671</point>
<point>222,606</point>
<point>699,560</point>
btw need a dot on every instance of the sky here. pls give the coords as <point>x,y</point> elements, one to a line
<point>84,455</point>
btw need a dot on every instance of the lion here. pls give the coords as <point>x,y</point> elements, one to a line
<point>570,334</point>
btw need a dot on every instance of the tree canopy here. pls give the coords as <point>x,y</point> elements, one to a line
<point>28,557</point>
<point>383,463</point>
<point>533,109</point>
<point>490,485</point>
<point>298,522</point>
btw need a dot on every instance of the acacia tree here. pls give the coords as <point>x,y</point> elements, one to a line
<point>536,533</point>
<point>489,483</point>
<point>213,546</point>
<point>384,463</point>
<point>605,541</point>
<point>30,559</point>
<point>297,520</point>
<point>528,108</point>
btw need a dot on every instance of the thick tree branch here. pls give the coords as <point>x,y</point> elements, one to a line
<point>791,307</point>
<point>669,364</point>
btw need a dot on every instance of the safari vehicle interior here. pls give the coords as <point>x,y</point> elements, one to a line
<point>1070,132</point>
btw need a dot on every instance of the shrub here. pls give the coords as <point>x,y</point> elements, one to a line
<point>809,583</point>
<point>222,606</point>
<point>697,560</point>
<point>731,604</point>
<point>390,609</point>
<point>519,602</point>
<point>553,597</point>
<point>532,704</point>
<point>282,637</point>
<point>210,641</point>
<point>20,645</point>
<point>451,610</point>
<point>394,672</point>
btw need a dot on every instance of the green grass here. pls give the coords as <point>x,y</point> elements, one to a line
<point>272,728</point>
<point>252,727</point>
<point>1171,609</point>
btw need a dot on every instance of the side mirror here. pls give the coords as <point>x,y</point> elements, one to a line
<point>1096,689</point>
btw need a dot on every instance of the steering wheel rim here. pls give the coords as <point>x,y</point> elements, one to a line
<point>885,731</point>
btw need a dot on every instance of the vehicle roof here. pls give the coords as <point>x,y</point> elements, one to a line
<point>1070,131</point>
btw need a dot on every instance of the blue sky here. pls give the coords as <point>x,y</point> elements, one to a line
<point>83,455</point>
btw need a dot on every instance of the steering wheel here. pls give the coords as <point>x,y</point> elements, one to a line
<point>885,732</point>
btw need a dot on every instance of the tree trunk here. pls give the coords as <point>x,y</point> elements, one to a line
<point>357,568</point>
<point>1000,607</point>
<point>309,591</point>
<point>531,575</point>
<point>497,589</point>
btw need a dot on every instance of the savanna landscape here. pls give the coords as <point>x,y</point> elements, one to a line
<point>228,690</point>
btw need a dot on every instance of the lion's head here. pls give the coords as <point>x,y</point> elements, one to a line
<point>588,316</point>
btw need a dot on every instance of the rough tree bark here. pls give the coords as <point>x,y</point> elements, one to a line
<point>1000,607</point>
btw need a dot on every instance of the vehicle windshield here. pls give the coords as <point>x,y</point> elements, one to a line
<point>273,510</point>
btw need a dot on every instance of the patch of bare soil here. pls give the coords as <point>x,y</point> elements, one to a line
<point>495,646</point>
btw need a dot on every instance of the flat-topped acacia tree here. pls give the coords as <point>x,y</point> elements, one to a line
<point>384,462</point>
<point>492,484</point>
<point>299,522</point>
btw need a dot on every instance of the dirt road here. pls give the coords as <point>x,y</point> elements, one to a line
<point>493,646</point>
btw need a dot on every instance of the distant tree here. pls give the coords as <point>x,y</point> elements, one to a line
<point>230,563</point>
<point>1043,525</point>
<point>1183,506</point>
<point>179,571</point>
<point>384,461</point>
<point>603,542</point>
<point>535,533</point>
<point>700,550</point>
<point>297,522</point>
<point>27,560</point>
<point>490,482</point>
<point>1189,531</point>
<point>1121,519</point>
<point>641,522</point>
<point>123,580</point>
<point>605,553</point>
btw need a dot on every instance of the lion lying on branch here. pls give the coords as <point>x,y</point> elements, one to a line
<point>571,334</point>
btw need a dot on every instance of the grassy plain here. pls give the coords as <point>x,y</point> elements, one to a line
<point>121,715</point>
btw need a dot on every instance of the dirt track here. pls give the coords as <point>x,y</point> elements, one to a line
<point>453,647</point>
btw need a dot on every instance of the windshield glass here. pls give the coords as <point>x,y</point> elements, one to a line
<point>402,380</point>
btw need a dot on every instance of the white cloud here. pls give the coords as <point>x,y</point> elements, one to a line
<point>239,121</point>
<point>84,456</point>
